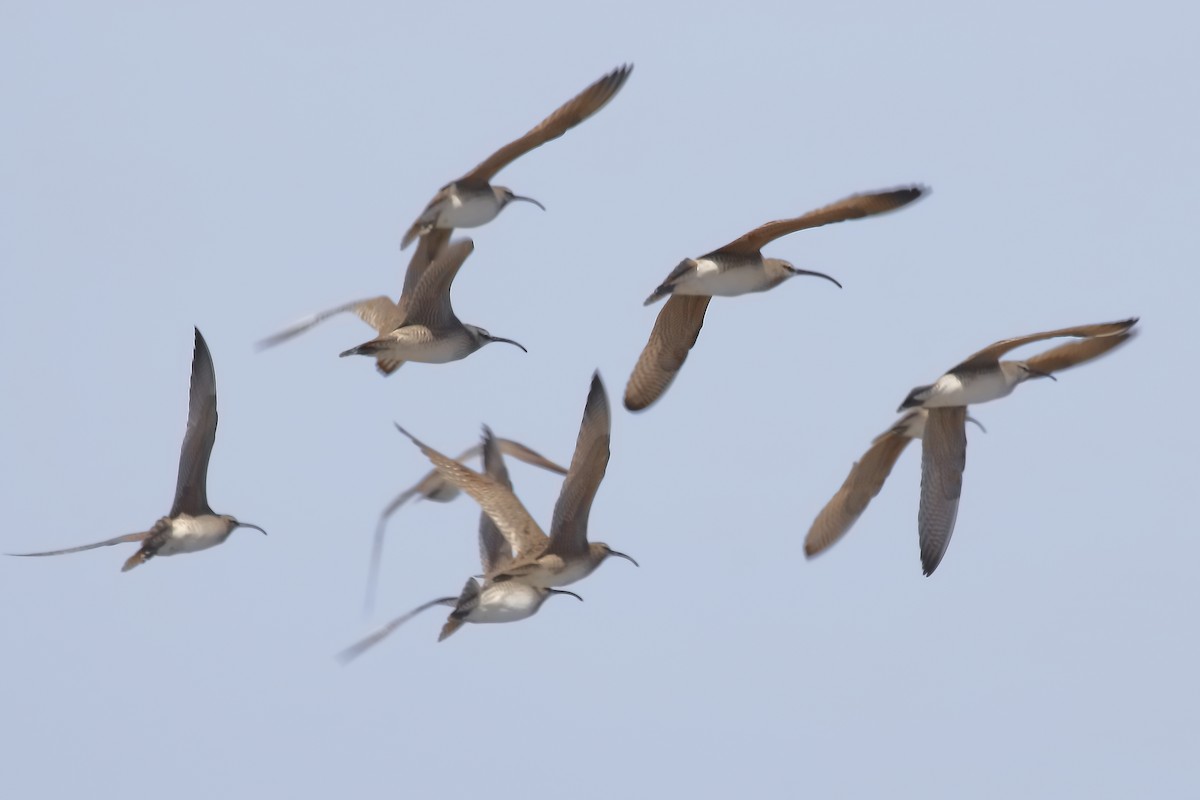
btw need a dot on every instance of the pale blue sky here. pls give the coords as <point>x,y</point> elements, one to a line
<point>240,167</point>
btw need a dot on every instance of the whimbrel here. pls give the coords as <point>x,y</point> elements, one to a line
<point>566,555</point>
<point>422,326</point>
<point>435,487</point>
<point>508,601</point>
<point>735,269</point>
<point>471,200</point>
<point>191,525</point>
<point>981,378</point>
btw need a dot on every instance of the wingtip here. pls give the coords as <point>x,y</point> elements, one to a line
<point>349,654</point>
<point>596,390</point>
<point>635,404</point>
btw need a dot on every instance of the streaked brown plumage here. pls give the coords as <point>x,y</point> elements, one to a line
<point>734,269</point>
<point>478,180</point>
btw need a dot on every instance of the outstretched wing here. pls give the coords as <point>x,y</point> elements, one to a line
<point>1072,354</point>
<point>532,457</point>
<point>498,502</point>
<point>378,312</point>
<point>428,250</point>
<point>129,537</point>
<point>993,352</point>
<point>429,301</point>
<point>191,495</point>
<point>943,459</point>
<point>355,650</point>
<point>565,117</point>
<point>675,332</point>
<point>853,207</point>
<point>866,478</point>
<point>494,550</point>
<point>568,530</point>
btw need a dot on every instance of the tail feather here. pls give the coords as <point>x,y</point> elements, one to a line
<point>140,557</point>
<point>450,627</point>
<point>417,229</point>
<point>387,366</point>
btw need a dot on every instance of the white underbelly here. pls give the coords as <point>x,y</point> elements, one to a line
<point>950,390</point>
<point>506,602</point>
<point>190,534</point>
<point>575,571</point>
<point>709,279</point>
<point>476,211</point>
<point>418,343</point>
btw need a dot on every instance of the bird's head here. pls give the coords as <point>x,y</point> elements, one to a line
<point>779,271</point>
<point>1023,371</point>
<point>482,337</point>
<point>232,522</point>
<point>598,551</point>
<point>505,196</point>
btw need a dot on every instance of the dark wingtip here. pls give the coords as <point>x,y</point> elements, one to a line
<point>636,406</point>
<point>656,295</point>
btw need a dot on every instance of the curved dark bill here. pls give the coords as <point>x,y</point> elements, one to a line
<point>506,341</point>
<point>817,275</point>
<point>529,200</point>
<point>978,424</point>
<point>624,556</point>
<point>1041,374</point>
<point>564,591</point>
<point>250,525</point>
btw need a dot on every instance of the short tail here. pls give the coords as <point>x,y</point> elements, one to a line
<point>450,627</point>
<point>140,557</point>
<point>387,366</point>
<point>411,235</point>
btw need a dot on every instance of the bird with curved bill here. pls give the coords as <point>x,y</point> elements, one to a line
<point>734,269</point>
<point>192,525</point>
<point>422,325</point>
<point>981,378</point>
<point>434,486</point>
<point>866,479</point>
<point>565,556</point>
<point>490,602</point>
<point>472,200</point>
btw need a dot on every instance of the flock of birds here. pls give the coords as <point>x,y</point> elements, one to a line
<point>521,565</point>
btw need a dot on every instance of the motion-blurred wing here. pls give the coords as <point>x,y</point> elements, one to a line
<point>943,459</point>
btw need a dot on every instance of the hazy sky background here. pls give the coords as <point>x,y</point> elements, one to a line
<point>239,166</point>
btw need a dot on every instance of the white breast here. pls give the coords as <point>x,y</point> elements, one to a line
<point>950,390</point>
<point>189,534</point>
<point>476,210</point>
<point>709,279</point>
<point>575,570</point>
<point>506,602</point>
<point>419,343</point>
